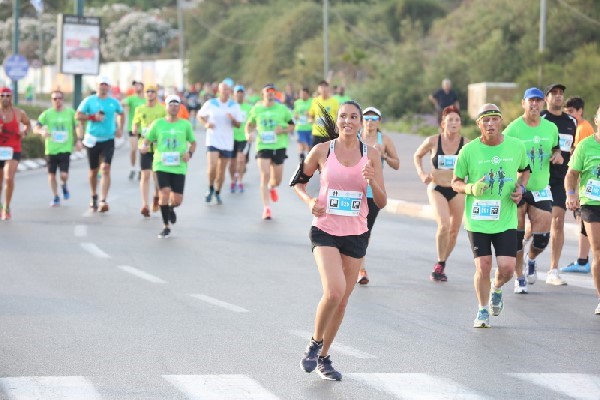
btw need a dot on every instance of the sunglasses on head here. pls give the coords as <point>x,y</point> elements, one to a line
<point>371,117</point>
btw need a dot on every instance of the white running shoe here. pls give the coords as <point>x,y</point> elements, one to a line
<point>554,278</point>
<point>597,312</point>
<point>520,285</point>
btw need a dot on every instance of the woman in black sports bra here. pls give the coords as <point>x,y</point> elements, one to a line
<point>447,205</point>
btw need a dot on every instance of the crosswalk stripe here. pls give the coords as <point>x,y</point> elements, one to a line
<point>49,388</point>
<point>220,387</point>
<point>417,386</point>
<point>336,346</point>
<point>577,386</point>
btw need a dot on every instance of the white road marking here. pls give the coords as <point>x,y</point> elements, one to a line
<point>417,386</point>
<point>219,303</point>
<point>80,230</point>
<point>576,386</point>
<point>140,274</point>
<point>336,346</point>
<point>220,387</point>
<point>49,388</point>
<point>94,250</point>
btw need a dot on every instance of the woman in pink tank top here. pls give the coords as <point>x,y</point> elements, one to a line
<point>339,231</point>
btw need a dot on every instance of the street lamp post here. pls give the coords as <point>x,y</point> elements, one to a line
<point>77,78</point>
<point>325,39</point>
<point>542,44</point>
<point>15,46</point>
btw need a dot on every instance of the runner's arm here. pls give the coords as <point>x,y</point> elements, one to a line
<point>376,181</point>
<point>423,149</point>
<point>310,164</point>
<point>390,155</point>
<point>571,182</point>
<point>24,119</point>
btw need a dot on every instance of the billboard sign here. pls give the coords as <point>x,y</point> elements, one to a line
<point>78,44</point>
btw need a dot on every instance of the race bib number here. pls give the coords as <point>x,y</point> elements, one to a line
<point>59,136</point>
<point>565,142</point>
<point>592,189</point>
<point>89,141</point>
<point>544,194</point>
<point>171,158</point>
<point>6,153</point>
<point>268,137</point>
<point>487,210</point>
<point>303,119</point>
<point>344,203</point>
<point>447,162</point>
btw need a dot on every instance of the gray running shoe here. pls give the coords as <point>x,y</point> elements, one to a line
<point>311,355</point>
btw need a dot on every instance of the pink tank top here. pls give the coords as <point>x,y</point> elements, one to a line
<point>344,194</point>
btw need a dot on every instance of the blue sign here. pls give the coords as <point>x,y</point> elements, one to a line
<point>16,67</point>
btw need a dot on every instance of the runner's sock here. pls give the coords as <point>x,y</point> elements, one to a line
<point>582,261</point>
<point>164,210</point>
<point>442,263</point>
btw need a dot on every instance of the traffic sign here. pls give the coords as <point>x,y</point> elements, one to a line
<point>16,67</point>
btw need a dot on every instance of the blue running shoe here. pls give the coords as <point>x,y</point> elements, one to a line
<point>209,195</point>
<point>311,355</point>
<point>496,303</point>
<point>55,202</point>
<point>326,371</point>
<point>218,199</point>
<point>531,271</point>
<point>66,194</point>
<point>520,285</point>
<point>482,320</point>
<point>576,267</point>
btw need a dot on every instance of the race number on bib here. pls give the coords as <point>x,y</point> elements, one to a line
<point>565,141</point>
<point>302,119</point>
<point>486,210</point>
<point>59,136</point>
<point>544,194</point>
<point>171,158</point>
<point>344,203</point>
<point>89,141</point>
<point>6,153</point>
<point>268,137</point>
<point>592,189</point>
<point>446,162</point>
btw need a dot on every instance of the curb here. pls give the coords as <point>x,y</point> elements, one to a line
<point>424,211</point>
<point>36,163</point>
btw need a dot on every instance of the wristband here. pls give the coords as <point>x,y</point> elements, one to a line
<point>523,190</point>
<point>571,192</point>
<point>93,118</point>
<point>190,154</point>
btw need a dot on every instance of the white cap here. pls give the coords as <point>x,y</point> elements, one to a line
<point>373,110</point>
<point>171,98</point>
<point>103,79</point>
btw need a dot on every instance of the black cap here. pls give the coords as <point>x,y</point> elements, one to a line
<point>554,86</point>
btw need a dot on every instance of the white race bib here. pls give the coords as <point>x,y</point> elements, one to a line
<point>592,189</point>
<point>268,137</point>
<point>544,194</point>
<point>59,136</point>
<point>6,153</point>
<point>447,162</point>
<point>303,119</point>
<point>344,203</point>
<point>145,132</point>
<point>89,141</point>
<point>171,158</point>
<point>487,210</point>
<point>565,142</point>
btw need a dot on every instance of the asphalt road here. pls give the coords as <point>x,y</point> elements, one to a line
<point>96,307</point>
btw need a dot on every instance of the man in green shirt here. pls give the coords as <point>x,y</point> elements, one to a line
<point>142,119</point>
<point>303,126</point>
<point>584,167</point>
<point>237,168</point>
<point>491,214</point>
<point>175,145</point>
<point>131,103</point>
<point>541,138</point>
<point>273,121</point>
<point>57,126</point>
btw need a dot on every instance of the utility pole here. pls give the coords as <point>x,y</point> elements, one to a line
<point>325,39</point>
<point>542,45</point>
<point>15,47</point>
<point>77,78</point>
<point>181,42</point>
